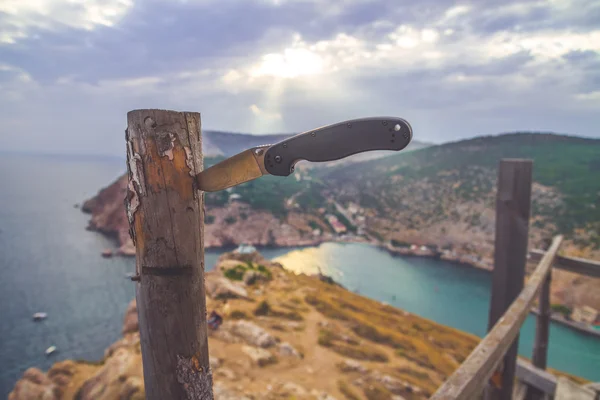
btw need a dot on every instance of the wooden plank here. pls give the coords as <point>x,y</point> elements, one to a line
<point>165,212</point>
<point>513,207</point>
<point>536,378</point>
<point>595,387</point>
<point>520,391</point>
<point>470,378</point>
<point>581,266</point>
<point>569,390</point>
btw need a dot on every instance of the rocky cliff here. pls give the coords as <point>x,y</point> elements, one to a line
<point>283,335</point>
<point>232,223</point>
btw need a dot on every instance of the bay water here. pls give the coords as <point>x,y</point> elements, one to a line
<point>50,263</point>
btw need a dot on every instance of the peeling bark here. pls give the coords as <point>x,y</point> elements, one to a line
<point>165,213</point>
<point>196,381</point>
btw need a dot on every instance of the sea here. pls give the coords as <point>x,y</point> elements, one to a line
<point>50,263</point>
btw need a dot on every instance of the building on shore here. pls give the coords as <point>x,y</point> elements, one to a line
<point>337,226</point>
<point>584,314</point>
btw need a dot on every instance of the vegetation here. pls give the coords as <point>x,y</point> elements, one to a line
<point>364,353</point>
<point>376,391</point>
<point>562,309</point>
<point>238,314</point>
<point>209,219</point>
<point>399,243</point>
<point>409,336</point>
<point>264,309</point>
<point>436,177</point>
<point>237,273</point>
<point>347,391</point>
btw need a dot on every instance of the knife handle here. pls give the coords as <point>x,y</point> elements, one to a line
<point>336,141</point>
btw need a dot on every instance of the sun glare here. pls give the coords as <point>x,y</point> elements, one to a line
<point>291,63</point>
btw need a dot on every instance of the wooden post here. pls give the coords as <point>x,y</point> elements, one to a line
<point>542,333</point>
<point>513,203</point>
<point>165,212</point>
<point>542,329</point>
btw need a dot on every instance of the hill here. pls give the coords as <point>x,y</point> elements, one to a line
<point>284,336</point>
<point>465,171</point>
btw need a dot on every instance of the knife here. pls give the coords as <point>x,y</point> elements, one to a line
<point>327,143</point>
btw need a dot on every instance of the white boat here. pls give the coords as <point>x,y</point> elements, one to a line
<point>38,316</point>
<point>50,350</point>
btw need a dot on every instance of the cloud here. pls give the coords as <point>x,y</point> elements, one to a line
<point>20,18</point>
<point>453,69</point>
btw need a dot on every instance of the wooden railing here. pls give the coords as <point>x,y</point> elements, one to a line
<point>492,368</point>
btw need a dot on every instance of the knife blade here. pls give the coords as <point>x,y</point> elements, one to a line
<point>326,143</point>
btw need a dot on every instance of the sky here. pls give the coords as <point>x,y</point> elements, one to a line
<point>70,70</point>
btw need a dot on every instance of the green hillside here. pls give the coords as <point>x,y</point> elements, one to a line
<point>469,168</point>
<point>271,192</point>
<point>425,187</point>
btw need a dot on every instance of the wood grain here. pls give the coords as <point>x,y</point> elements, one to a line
<point>165,212</point>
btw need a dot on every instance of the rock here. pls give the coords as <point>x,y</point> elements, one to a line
<point>220,392</point>
<point>127,249</point>
<point>223,288</point>
<point>394,385</point>
<point>293,389</point>
<point>108,212</point>
<point>120,374</point>
<point>322,395</point>
<point>34,385</point>
<point>225,373</point>
<point>260,357</point>
<point>254,257</point>
<point>36,376</point>
<point>130,321</point>
<point>214,362</point>
<point>61,374</point>
<point>250,277</point>
<point>131,386</point>
<point>130,341</point>
<point>250,333</point>
<point>351,366</point>
<point>286,349</point>
<point>324,324</point>
<point>294,325</point>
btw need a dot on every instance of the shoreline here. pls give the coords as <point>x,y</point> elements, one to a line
<point>456,259</point>
<point>570,324</point>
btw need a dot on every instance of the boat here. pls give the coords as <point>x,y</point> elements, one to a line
<point>50,350</point>
<point>38,316</point>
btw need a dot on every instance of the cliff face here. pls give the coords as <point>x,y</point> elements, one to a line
<point>283,336</point>
<point>231,224</point>
<point>108,214</point>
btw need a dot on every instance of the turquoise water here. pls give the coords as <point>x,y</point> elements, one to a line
<point>444,292</point>
<point>49,262</point>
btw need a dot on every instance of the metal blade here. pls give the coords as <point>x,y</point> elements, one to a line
<point>242,167</point>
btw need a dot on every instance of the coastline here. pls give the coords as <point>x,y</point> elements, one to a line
<point>452,257</point>
<point>570,324</point>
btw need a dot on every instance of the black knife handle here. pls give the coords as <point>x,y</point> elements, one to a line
<point>336,141</point>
